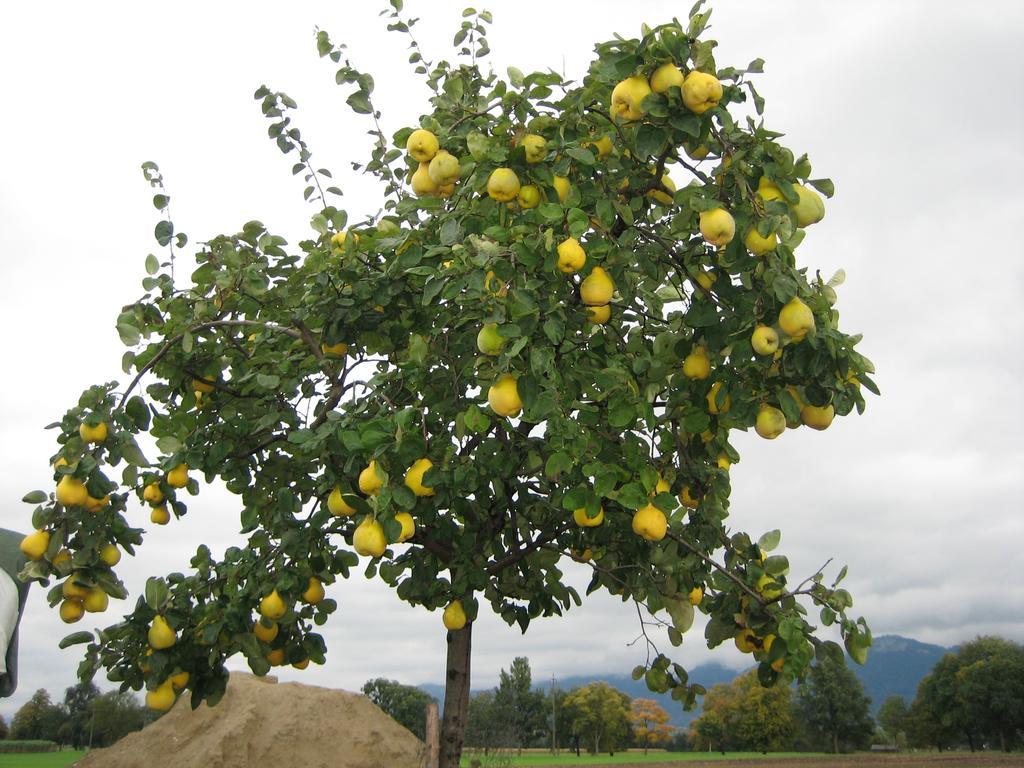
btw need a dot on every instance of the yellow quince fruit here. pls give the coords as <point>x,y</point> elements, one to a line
<point>160,635</point>
<point>337,505</point>
<point>650,523</point>
<point>422,145</point>
<point>454,617</point>
<point>414,477</point>
<point>93,434</point>
<point>368,538</point>
<point>717,226</point>
<point>665,77</point>
<point>701,92</point>
<point>34,545</point>
<point>370,479</point>
<point>571,256</point>
<point>628,96</point>
<point>503,396</point>
<point>72,492</point>
<point>503,185</point>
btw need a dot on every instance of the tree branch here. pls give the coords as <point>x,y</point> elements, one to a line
<point>720,568</point>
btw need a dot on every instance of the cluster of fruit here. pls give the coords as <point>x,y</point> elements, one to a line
<point>700,92</point>
<point>80,593</point>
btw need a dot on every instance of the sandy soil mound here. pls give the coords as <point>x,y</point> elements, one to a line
<point>261,722</point>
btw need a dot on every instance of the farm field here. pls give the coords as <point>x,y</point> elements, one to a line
<point>754,760</point>
<point>40,759</point>
<point>662,760</point>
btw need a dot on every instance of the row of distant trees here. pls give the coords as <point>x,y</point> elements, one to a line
<point>84,718</point>
<point>515,715</point>
<point>827,712</point>
<point>973,698</point>
<point>830,711</point>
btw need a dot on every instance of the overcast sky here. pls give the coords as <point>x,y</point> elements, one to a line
<point>912,108</point>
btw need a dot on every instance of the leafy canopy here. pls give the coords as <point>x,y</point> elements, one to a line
<point>283,370</point>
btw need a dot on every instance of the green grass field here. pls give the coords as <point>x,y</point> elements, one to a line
<point>624,758</point>
<point>40,759</point>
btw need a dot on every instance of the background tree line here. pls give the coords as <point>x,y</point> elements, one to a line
<point>973,698</point>
<point>85,717</point>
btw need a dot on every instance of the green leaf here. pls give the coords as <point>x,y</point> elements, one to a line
<point>186,342</point>
<point>515,76</point>
<point>554,329</point>
<point>137,412</point>
<point>551,211</point>
<point>789,406</point>
<point>268,380</point>
<point>360,102</point>
<point>790,631</point>
<point>582,155</point>
<point>557,463</point>
<point>152,264</point>
<point>696,422</point>
<point>681,612</point>
<point>825,186</point>
<point>168,444</point>
<point>163,232</point>
<point>621,412</point>
<point>451,232</point>
<point>478,145</point>
<point>632,496</point>
<point>624,211</point>
<point>857,645</point>
<point>75,638</point>
<point>650,140</point>
<point>132,453</point>
<point>35,497</point>
<point>156,593</point>
<point>687,123</point>
<point>129,334</point>
<point>403,497</point>
<point>770,540</point>
<point>476,420</point>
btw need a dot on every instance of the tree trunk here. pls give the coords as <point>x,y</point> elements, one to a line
<point>835,742</point>
<point>456,697</point>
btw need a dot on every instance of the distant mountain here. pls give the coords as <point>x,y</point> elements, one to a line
<point>437,691</point>
<point>895,666</point>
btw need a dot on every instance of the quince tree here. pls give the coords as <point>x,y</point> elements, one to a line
<point>536,349</point>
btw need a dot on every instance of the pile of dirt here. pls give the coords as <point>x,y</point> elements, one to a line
<point>261,722</point>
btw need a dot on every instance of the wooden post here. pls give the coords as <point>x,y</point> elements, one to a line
<point>432,747</point>
<point>456,696</point>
